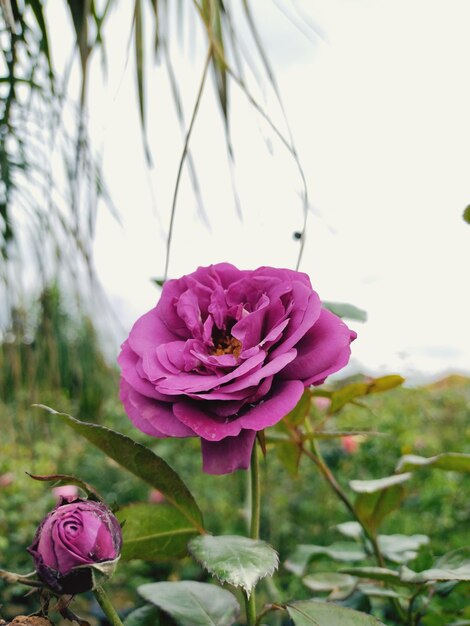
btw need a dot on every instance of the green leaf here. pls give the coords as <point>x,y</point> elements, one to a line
<point>341,397</point>
<point>143,616</point>
<point>389,576</point>
<point>450,461</point>
<point>312,613</point>
<point>158,281</point>
<point>193,604</point>
<point>401,548</point>
<point>239,561</point>
<point>375,591</point>
<point>378,498</point>
<point>338,551</point>
<point>301,410</point>
<point>434,574</point>
<point>466,215</point>
<point>352,530</point>
<point>289,454</point>
<point>65,479</point>
<point>329,581</point>
<point>379,484</point>
<point>349,311</point>
<point>348,393</point>
<point>385,383</point>
<point>455,559</point>
<point>154,531</point>
<point>372,508</point>
<point>454,565</point>
<point>141,462</point>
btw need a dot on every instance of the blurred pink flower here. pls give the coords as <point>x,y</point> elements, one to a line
<point>6,479</point>
<point>323,404</point>
<point>350,444</point>
<point>156,497</point>
<point>68,492</point>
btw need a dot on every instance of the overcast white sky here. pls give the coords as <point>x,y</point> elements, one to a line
<point>378,99</point>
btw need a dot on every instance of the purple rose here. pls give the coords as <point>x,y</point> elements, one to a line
<point>72,536</point>
<point>226,353</point>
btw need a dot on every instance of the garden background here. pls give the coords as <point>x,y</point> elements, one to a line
<point>366,106</point>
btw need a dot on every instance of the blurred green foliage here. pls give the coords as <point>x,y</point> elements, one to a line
<point>52,356</point>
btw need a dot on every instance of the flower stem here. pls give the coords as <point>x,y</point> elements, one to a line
<point>107,607</point>
<point>255,494</point>
<point>250,601</point>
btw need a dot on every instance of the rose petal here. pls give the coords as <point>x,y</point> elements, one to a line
<point>248,330</point>
<point>281,401</point>
<point>192,383</point>
<point>304,316</point>
<point>205,424</point>
<point>228,455</point>
<point>322,351</point>
<point>148,332</point>
<point>188,310</point>
<point>254,377</point>
<point>151,416</point>
<point>129,362</point>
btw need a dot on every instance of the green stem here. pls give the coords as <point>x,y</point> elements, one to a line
<point>108,608</point>
<point>255,494</point>
<point>250,602</point>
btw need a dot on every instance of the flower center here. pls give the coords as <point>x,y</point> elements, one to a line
<point>226,344</point>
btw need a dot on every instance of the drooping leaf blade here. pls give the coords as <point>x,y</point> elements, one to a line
<point>140,461</point>
<point>239,561</point>
<point>66,479</point>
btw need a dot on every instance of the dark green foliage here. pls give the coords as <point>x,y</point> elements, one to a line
<point>47,351</point>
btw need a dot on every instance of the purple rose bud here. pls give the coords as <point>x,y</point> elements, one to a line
<point>71,537</point>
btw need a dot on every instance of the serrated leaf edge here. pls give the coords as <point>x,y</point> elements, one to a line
<point>247,588</point>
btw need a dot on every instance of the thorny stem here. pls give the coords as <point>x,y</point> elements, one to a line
<point>107,607</point>
<point>315,455</point>
<point>250,601</point>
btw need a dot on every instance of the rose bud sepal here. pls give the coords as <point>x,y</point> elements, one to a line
<point>77,546</point>
<point>79,580</point>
